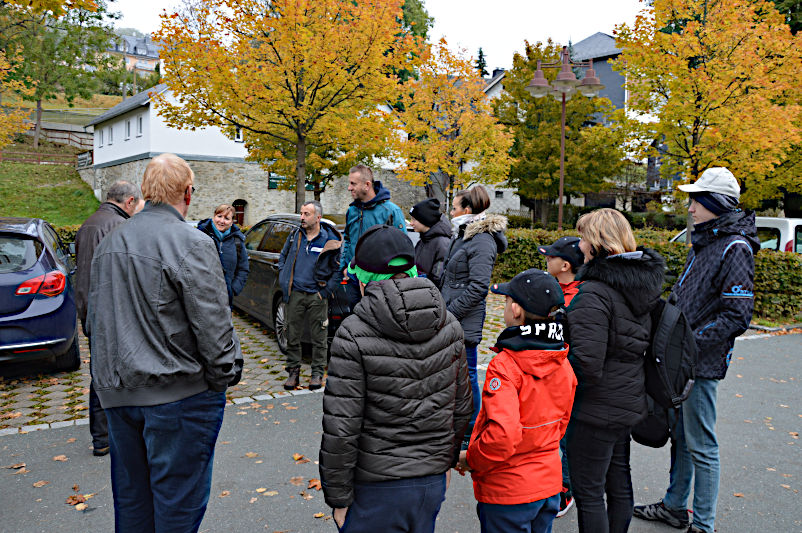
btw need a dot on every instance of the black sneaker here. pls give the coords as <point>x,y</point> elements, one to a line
<point>661,513</point>
<point>694,529</point>
<point>566,502</point>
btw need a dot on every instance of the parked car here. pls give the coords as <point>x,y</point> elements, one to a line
<point>38,319</point>
<point>262,296</point>
<point>784,234</point>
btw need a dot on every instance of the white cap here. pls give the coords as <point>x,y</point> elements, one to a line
<point>715,179</point>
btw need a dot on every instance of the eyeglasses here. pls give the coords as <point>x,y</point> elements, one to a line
<point>192,189</point>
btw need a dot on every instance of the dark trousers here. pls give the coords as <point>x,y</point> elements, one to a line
<point>598,458</point>
<point>471,353</point>
<point>161,463</point>
<point>534,517</point>
<point>98,425</point>
<point>398,506</point>
<point>307,308</point>
<point>353,293</point>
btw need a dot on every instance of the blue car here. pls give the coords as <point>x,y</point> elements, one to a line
<point>38,319</point>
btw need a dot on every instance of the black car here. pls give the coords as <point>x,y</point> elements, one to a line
<point>262,296</point>
<point>38,319</point>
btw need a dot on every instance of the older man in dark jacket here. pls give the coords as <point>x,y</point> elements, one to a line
<point>716,293</point>
<point>397,398</point>
<point>123,200</point>
<point>163,354</point>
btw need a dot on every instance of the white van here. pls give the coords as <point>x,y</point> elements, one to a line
<point>784,234</point>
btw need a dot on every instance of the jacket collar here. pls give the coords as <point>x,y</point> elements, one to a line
<point>166,209</point>
<point>114,207</point>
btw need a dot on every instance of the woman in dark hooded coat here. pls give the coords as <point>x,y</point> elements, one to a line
<point>230,243</point>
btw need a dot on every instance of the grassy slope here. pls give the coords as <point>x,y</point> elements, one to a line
<point>53,192</point>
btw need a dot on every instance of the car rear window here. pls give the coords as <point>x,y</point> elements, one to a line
<point>798,240</point>
<point>18,253</point>
<point>769,238</point>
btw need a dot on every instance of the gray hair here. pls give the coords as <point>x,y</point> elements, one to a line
<point>316,204</point>
<point>122,190</point>
<point>363,171</point>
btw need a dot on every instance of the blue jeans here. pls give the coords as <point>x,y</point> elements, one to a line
<point>161,463</point>
<point>695,456</point>
<point>564,460</point>
<point>535,517</point>
<point>398,506</point>
<point>471,355</point>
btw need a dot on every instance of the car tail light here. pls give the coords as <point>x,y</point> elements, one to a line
<point>50,284</point>
<point>789,246</point>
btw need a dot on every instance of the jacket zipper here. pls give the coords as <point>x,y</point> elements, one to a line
<point>544,424</point>
<point>707,327</point>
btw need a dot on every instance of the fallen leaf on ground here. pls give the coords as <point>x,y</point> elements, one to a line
<point>224,494</point>
<point>76,488</point>
<point>261,489</point>
<point>70,440</point>
<point>739,494</point>
<point>254,499</point>
<point>271,493</point>
<point>306,496</point>
<point>226,442</point>
<point>786,486</point>
<point>89,496</point>
<point>81,507</point>
<point>297,480</point>
<point>75,499</point>
<point>20,471</point>
<point>258,462</point>
<point>11,415</point>
<point>241,413</point>
<point>61,458</point>
<point>40,483</point>
<point>314,484</point>
<point>290,407</point>
<point>16,466</point>
<point>251,455</point>
<point>319,515</point>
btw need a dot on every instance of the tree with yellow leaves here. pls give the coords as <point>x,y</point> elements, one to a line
<point>295,73</point>
<point>722,79</point>
<point>11,119</point>
<point>453,139</point>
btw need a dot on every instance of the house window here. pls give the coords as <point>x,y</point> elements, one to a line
<point>127,129</point>
<point>238,138</point>
<point>139,126</point>
<point>499,194</point>
<point>111,135</point>
<point>100,139</point>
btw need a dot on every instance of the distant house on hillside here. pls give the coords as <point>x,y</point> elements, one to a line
<point>141,54</point>
<point>130,134</point>
<point>601,48</point>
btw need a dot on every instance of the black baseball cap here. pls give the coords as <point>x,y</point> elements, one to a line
<point>380,245</point>
<point>534,290</point>
<point>565,248</point>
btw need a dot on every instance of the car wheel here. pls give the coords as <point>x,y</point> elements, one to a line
<point>71,360</point>
<point>280,325</point>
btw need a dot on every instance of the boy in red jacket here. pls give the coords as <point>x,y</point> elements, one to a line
<point>529,389</point>
<point>563,259</point>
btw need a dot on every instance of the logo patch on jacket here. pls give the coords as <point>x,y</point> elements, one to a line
<point>737,291</point>
<point>495,384</point>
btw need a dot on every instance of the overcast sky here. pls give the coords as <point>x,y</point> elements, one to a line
<point>498,26</point>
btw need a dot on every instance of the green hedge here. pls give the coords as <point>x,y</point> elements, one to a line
<point>67,233</point>
<point>778,275</point>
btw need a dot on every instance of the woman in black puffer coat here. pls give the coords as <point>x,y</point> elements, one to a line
<point>609,325</point>
<point>478,239</point>
<point>230,244</point>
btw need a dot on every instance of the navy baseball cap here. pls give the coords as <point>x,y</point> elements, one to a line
<point>534,290</point>
<point>565,248</point>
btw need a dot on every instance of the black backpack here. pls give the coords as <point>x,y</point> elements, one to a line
<point>670,366</point>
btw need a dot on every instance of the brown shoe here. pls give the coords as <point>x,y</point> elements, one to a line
<point>316,382</point>
<point>294,380</point>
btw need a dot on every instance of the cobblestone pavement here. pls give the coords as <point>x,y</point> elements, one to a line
<point>32,402</point>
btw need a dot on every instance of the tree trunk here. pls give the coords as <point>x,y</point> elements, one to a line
<point>38,128</point>
<point>318,189</point>
<point>300,173</point>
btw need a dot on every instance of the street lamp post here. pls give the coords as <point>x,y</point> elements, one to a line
<point>562,88</point>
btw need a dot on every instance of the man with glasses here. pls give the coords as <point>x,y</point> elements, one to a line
<point>163,352</point>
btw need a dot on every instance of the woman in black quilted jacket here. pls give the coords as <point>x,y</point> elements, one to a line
<point>609,327</point>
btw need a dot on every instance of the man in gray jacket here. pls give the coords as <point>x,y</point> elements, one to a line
<point>123,200</point>
<point>163,352</point>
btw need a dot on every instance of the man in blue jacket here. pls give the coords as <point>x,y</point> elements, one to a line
<point>716,294</point>
<point>371,207</point>
<point>308,274</point>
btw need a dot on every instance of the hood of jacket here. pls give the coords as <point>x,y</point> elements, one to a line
<point>495,225</point>
<point>382,194</point>
<point>441,228</point>
<point>639,279</point>
<point>406,309</point>
<point>205,226</point>
<point>538,351</point>
<point>736,223</point>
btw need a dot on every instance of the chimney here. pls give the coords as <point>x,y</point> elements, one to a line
<point>496,72</point>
